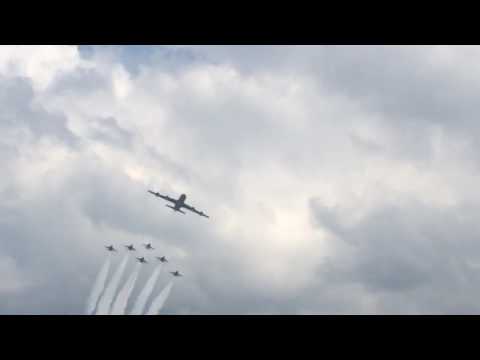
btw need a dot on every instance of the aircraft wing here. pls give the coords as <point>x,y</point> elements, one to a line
<point>164,197</point>
<point>192,209</point>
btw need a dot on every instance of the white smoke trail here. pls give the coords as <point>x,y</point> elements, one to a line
<point>107,298</point>
<point>120,304</point>
<point>157,304</point>
<point>98,287</point>
<point>142,299</point>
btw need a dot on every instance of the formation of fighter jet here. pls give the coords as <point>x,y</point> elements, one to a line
<point>162,259</point>
<point>148,246</point>
<point>142,260</point>
<point>179,203</point>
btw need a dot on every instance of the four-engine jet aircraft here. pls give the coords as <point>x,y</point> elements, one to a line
<point>175,273</point>
<point>148,246</point>
<point>110,248</point>
<point>142,260</point>
<point>130,247</point>
<point>162,259</point>
<point>178,203</point>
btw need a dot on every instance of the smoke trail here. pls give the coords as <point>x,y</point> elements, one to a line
<point>142,299</point>
<point>98,287</point>
<point>157,304</point>
<point>107,298</point>
<point>120,304</point>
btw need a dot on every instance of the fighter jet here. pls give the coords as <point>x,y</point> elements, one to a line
<point>178,203</point>
<point>162,259</point>
<point>175,273</point>
<point>110,248</point>
<point>148,246</point>
<point>130,247</point>
<point>142,260</point>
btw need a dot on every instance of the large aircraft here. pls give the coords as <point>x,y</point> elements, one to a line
<point>162,259</point>
<point>178,203</point>
<point>130,247</point>
<point>110,248</point>
<point>142,260</point>
<point>175,273</point>
<point>148,246</point>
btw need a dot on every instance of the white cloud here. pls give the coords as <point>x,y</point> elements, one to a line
<point>39,63</point>
<point>121,82</point>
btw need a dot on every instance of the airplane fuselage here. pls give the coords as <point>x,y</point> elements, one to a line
<point>178,203</point>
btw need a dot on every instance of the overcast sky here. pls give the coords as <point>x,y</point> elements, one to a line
<point>339,179</point>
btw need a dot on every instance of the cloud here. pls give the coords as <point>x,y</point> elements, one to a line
<point>338,179</point>
<point>40,63</point>
<point>21,111</point>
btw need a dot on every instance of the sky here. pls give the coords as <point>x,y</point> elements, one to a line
<point>339,179</point>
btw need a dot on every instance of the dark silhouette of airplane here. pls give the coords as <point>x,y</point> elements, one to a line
<point>130,247</point>
<point>179,204</point>
<point>162,259</point>
<point>148,246</point>
<point>142,260</point>
<point>110,248</point>
<point>175,273</point>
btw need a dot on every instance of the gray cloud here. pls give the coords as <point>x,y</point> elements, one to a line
<point>414,253</point>
<point>399,83</point>
<point>19,110</point>
<point>108,130</point>
<point>80,81</point>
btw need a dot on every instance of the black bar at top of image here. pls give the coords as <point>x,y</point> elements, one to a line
<point>235,25</point>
